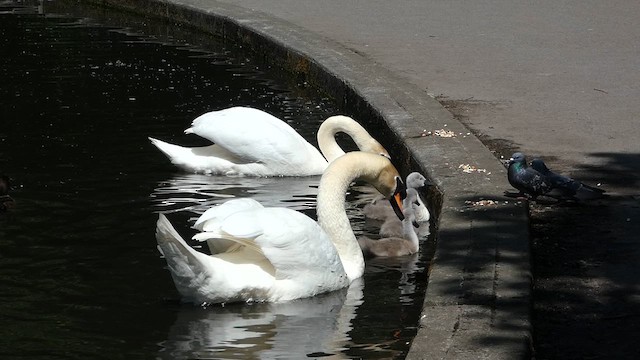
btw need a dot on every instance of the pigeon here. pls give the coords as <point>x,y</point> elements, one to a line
<point>565,187</point>
<point>528,181</point>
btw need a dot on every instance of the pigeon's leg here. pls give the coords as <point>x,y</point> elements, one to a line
<point>517,195</point>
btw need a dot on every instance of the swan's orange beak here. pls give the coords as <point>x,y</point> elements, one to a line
<point>397,197</point>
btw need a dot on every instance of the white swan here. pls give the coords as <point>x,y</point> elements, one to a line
<point>406,244</point>
<point>380,210</point>
<point>278,254</point>
<point>252,142</point>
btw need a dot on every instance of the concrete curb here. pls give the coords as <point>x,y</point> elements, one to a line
<point>478,298</point>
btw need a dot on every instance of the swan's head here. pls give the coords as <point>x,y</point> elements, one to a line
<point>388,182</point>
<point>373,146</point>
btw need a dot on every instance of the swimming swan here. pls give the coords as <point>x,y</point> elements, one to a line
<point>249,141</point>
<point>406,243</point>
<point>278,254</point>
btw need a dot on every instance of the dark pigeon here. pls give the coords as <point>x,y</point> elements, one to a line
<point>564,187</point>
<point>528,181</point>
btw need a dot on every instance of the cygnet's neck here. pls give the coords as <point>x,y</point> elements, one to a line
<point>408,230</point>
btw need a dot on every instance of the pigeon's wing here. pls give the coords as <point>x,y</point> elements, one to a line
<point>534,182</point>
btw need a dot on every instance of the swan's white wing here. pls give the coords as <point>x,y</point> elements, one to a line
<point>294,243</point>
<point>254,136</point>
<point>211,219</point>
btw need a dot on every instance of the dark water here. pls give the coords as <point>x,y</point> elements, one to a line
<point>80,276</point>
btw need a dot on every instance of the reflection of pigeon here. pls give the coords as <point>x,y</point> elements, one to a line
<point>527,180</point>
<point>6,201</point>
<point>565,187</point>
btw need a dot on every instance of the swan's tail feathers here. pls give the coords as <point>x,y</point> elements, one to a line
<point>185,263</point>
<point>177,154</point>
<point>210,159</point>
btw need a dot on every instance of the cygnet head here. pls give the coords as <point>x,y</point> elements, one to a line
<point>416,180</point>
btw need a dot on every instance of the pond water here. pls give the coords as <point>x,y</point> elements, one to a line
<point>79,270</point>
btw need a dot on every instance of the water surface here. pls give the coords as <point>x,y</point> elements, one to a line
<point>79,270</point>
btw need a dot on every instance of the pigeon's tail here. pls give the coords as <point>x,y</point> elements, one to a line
<point>586,192</point>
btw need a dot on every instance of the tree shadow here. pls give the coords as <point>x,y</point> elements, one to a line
<point>620,171</point>
<point>586,298</point>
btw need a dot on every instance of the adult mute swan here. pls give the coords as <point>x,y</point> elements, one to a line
<point>278,254</point>
<point>252,142</point>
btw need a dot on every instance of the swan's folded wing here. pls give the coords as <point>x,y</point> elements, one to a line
<point>292,241</point>
<point>211,219</point>
<point>252,135</point>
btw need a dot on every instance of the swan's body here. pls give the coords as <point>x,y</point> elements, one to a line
<point>391,226</point>
<point>252,142</point>
<point>277,254</point>
<point>406,243</point>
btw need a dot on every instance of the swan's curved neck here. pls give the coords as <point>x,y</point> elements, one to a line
<point>332,215</point>
<point>335,124</point>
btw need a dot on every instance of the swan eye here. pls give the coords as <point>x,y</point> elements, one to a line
<point>385,155</point>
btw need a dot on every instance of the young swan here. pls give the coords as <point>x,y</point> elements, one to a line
<point>407,244</point>
<point>391,226</point>
<point>252,142</point>
<point>278,254</point>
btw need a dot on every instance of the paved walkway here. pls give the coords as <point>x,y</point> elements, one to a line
<point>557,79</point>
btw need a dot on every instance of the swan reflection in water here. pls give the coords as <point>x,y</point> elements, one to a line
<point>296,329</point>
<point>197,193</point>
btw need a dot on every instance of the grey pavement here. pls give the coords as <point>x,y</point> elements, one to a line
<point>557,79</point>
